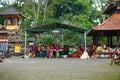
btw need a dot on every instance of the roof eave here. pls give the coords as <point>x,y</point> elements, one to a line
<point>111,6</point>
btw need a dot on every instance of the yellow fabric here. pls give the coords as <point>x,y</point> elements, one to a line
<point>42,47</point>
<point>17,48</point>
<point>11,27</point>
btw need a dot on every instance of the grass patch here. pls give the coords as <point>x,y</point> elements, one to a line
<point>106,76</point>
<point>1,74</point>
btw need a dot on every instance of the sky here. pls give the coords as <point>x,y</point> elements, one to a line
<point>9,1</point>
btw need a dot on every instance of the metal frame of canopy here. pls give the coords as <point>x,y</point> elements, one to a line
<point>50,27</point>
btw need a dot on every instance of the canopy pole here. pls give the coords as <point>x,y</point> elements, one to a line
<point>33,39</point>
<point>25,48</point>
<point>85,40</point>
<point>85,53</point>
<point>39,41</point>
<point>62,39</point>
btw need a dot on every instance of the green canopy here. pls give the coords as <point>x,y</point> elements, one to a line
<point>53,26</point>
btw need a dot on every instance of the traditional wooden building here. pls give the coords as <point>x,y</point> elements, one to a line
<point>109,28</point>
<point>10,32</point>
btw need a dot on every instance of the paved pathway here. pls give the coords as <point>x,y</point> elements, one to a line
<point>17,68</point>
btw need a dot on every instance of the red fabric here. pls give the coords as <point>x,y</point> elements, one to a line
<point>35,48</point>
<point>75,55</point>
<point>48,53</point>
<point>51,48</point>
<point>109,55</point>
<point>0,58</point>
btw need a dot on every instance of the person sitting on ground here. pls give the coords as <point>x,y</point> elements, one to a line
<point>1,59</point>
<point>35,50</point>
<point>30,54</point>
<point>66,49</point>
<point>117,58</point>
<point>93,51</point>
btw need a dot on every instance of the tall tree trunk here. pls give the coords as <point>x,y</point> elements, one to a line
<point>35,15</point>
<point>45,10</point>
<point>38,11</point>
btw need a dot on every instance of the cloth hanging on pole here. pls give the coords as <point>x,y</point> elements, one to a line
<point>85,53</point>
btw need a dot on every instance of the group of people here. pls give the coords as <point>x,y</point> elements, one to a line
<point>54,50</point>
<point>44,51</point>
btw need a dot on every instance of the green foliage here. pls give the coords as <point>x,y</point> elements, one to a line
<point>64,7</point>
<point>79,13</point>
<point>49,20</point>
<point>46,40</point>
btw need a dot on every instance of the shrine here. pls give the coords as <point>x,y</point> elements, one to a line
<point>109,28</point>
<point>10,31</point>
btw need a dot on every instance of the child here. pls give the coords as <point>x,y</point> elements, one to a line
<point>57,47</point>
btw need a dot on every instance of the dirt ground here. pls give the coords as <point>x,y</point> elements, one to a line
<point>17,68</point>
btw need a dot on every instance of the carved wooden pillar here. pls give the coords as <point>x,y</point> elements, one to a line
<point>102,38</point>
<point>111,44</point>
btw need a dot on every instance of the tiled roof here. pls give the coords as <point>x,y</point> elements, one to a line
<point>10,11</point>
<point>112,23</point>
